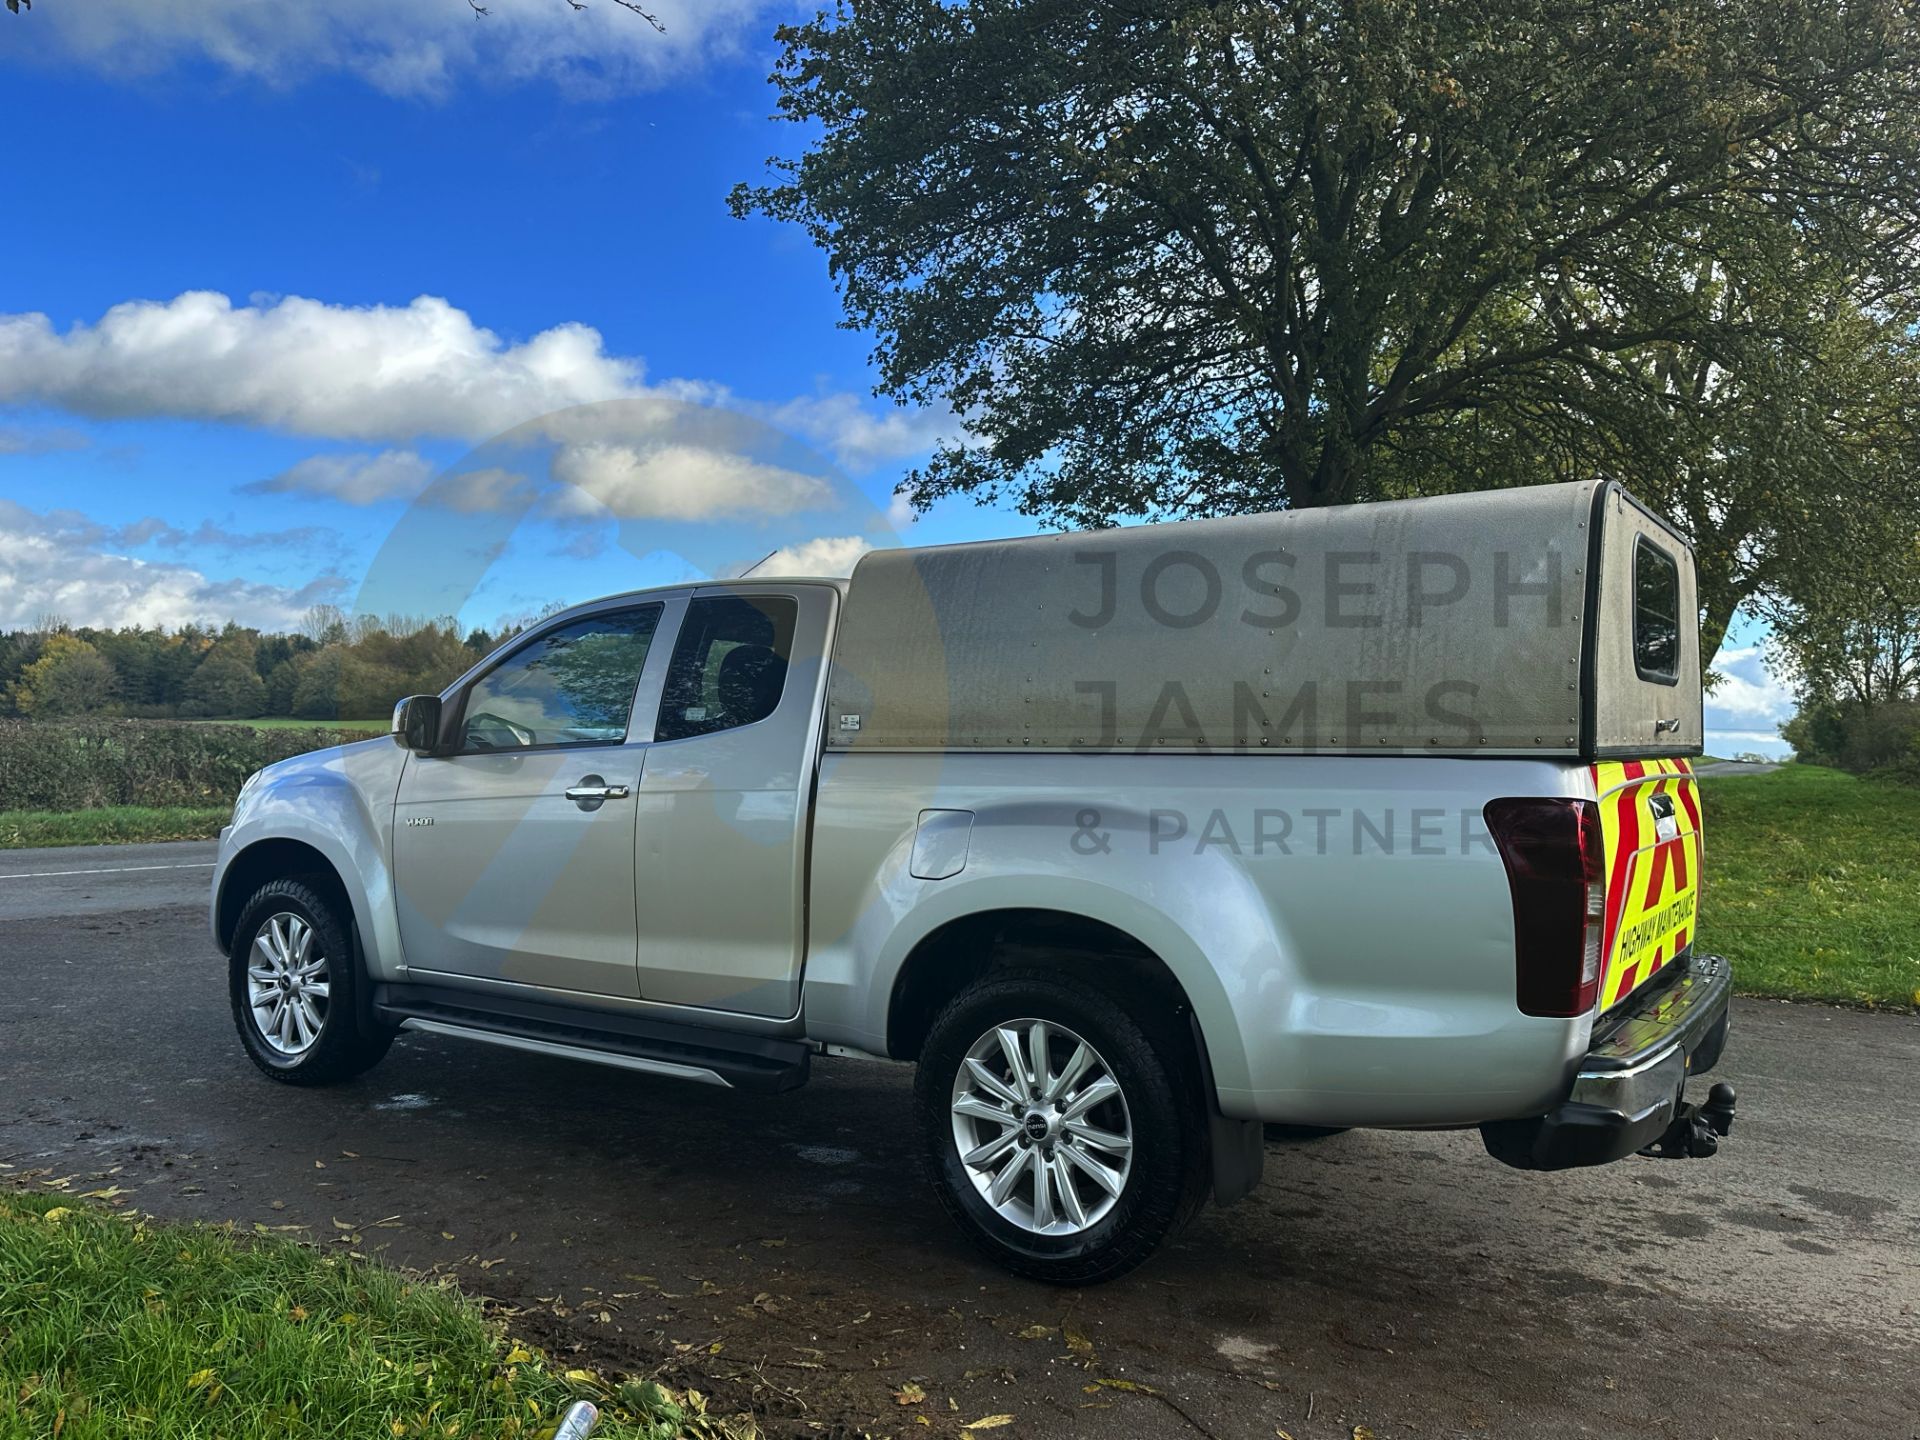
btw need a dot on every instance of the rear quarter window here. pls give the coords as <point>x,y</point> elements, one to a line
<point>1656,613</point>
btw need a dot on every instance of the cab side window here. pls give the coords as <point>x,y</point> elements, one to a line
<point>1656,613</point>
<point>572,685</point>
<point>729,666</point>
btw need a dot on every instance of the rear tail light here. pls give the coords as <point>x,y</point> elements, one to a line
<point>1557,873</point>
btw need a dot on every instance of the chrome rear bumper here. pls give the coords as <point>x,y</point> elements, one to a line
<point>1629,1087</point>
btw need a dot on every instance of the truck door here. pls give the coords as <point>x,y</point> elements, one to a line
<point>513,856</point>
<point>724,800</point>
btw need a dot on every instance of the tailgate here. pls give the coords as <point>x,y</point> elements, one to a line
<point>1650,820</point>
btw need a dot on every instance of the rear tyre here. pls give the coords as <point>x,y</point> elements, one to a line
<point>1065,1141</point>
<point>294,978</point>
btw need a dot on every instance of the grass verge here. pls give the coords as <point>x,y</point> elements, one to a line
<point>1810,885</point>
<point>110,825</point>
<point>111,1326</point>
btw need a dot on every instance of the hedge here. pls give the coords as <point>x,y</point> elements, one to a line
<point>86,764</point>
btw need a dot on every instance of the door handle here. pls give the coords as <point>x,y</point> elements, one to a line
<point>597,791</point>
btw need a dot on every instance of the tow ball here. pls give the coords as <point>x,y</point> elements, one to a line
<point>1696,1129</point>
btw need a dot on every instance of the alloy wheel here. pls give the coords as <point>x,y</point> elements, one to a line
<point>288,987</point>
<point>1042,1127</point>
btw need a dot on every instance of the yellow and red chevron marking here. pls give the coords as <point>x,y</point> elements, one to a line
<point>1653,885</point>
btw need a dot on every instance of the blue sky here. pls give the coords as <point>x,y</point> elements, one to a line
<point>272,265</point>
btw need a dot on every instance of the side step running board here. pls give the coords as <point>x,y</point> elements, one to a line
<point>699,1053</point>
<point>697,1073</point>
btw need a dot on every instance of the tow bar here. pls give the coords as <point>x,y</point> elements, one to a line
<point>1696,1129</point>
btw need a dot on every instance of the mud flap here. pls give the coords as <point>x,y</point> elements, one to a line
<point>1239,1147</point>
<point>1239,1155</point>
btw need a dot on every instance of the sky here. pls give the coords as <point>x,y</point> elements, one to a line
<point>297,297</point>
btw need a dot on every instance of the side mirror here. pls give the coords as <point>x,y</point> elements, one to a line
<point>416,724</point>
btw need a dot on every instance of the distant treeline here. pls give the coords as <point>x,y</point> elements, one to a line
<point>334,667</point>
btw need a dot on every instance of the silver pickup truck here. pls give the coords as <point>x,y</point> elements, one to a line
<point>1132,841</point>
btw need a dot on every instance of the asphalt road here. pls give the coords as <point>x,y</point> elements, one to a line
<point>780,1254</point>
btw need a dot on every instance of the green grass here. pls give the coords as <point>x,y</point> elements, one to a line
<point>111,1326</point>
<point>1812,882</point>
<point>287,722</point>
<point>109,825</point>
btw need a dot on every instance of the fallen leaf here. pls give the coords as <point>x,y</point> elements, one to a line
<point>1130,1386</point>
<point>1036,1332</point>
<point>989,1422</point>
<point>57,1214</point>
<point>519,1355</point>
<point>1076,1342</point>
<point>909,1394</point>
<point>1361,1432</point>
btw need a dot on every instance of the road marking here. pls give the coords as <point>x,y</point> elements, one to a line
<point>118,870</point>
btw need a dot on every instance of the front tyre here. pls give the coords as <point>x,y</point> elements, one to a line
<point>1061,1139</point>
<point>294,978</point>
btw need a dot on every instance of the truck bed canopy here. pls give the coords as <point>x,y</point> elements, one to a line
<point>1556,620</point>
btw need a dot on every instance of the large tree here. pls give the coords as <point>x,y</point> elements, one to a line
<point>1171,257</point>
<point>69,678</point>
<point>1766,450</point>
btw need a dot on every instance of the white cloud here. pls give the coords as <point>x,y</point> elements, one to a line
<point>826,555</point>
<point>388,373</point>
<point>377,372</point>
<point>679,482</point>
<point>860,436</point>
<point>355,479</point>
<point>209,536</point>
<point>416,48</point>
<point>54,564</point>
<point>1747,690</point>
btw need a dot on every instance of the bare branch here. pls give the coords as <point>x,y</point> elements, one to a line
<point>479,9</point>
<point>644,14</point>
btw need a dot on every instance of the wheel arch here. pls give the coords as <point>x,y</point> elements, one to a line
<point>966,948</point>
<point>961,950</point>
<point>273,859</point>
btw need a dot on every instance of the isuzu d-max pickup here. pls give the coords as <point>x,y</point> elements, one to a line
<point>1131,841</point>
